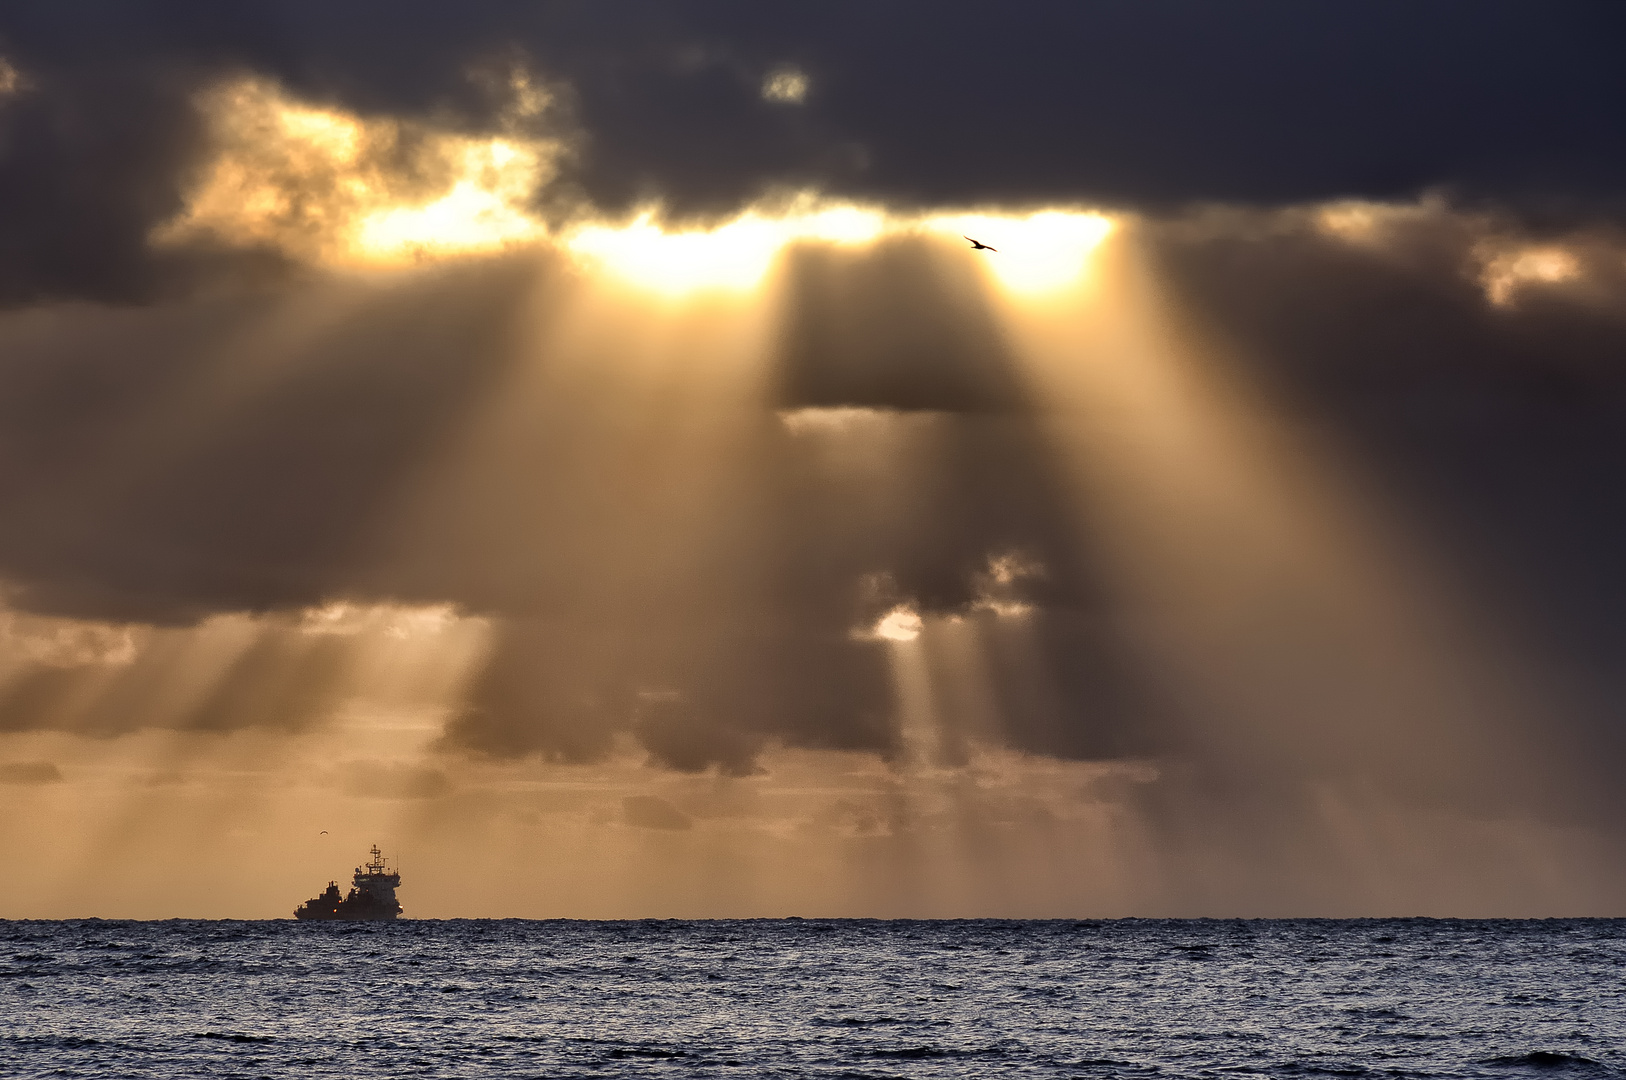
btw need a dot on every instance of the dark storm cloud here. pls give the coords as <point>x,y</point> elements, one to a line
<point>1122,103</point>
<point>142,481</point>
<point>251,453</point>
<point>1497,422</point>
<point>90,162</point>
<point>260,438</point>
<point>892,327</point>
<point>1498,430</point>
<point>254,451</point>
<point>283,681</point>
<point>1501,425</point>
<point>775,653</point>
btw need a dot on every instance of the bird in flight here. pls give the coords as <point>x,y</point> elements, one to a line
<point>977,245</point>
<point>323,832</point>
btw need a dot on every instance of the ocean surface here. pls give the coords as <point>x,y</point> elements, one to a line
<point>814,998</point>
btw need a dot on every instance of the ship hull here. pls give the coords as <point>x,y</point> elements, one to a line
<point>342,916</point>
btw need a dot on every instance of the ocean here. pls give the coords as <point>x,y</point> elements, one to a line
<point>815,998</point>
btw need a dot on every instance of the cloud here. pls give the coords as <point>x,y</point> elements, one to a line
<point>1480,408</point>
<point>785,85</point>
<point>65,643</point>
<point>383,780</point>
<point>653,812</point>
<point>228,672</point>
<point>324,185</point>
<point>1138,106</point>
<point>221,678</point>
<point>12,81</point>
<point>693,695</point>
<point>1483,396</point>
<point>465,438</point>
<point>29,773</point>
<point>324,451</point>
<point>891,327</point>
<point>191,467</point>
<point>609,389</point>
<point>98,160</point>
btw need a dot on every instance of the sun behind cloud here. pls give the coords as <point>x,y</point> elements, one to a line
<point>333,188</point>
<point>735,255</point>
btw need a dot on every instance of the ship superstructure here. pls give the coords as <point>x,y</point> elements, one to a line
<point>371,897</point>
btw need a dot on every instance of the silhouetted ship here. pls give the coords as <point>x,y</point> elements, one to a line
<point>371,899</point>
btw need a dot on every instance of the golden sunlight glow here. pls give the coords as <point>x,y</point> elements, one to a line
<point>1502,265</point>
<point>1505,272</point>
<point>1248,543</point>
<point>485,209</point>
<point>322,185</point>
<point>785,86</point>
<point>1037,253</point>
<point>1351,221</point>
<point>1359,222</point>
<point>823,420</point>
<point>391,620</point>
<point>318,183</point>
<point>900,624</point>
<point>998,587</point>
<point>1229,545</point>
<point>734,256</point>
<point>159,676</point>
<point>11,80</point>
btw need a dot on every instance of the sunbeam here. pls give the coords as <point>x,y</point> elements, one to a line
<point>798,553</point>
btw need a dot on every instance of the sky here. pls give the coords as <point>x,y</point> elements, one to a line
<point>574,447</point>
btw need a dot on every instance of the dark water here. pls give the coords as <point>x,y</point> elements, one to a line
<point>1404,998</point>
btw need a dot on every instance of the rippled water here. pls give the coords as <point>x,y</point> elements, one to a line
<point>1131,998</point>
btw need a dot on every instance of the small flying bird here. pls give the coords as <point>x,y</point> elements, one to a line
<point>322,833</point>
<point>977,245</point>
